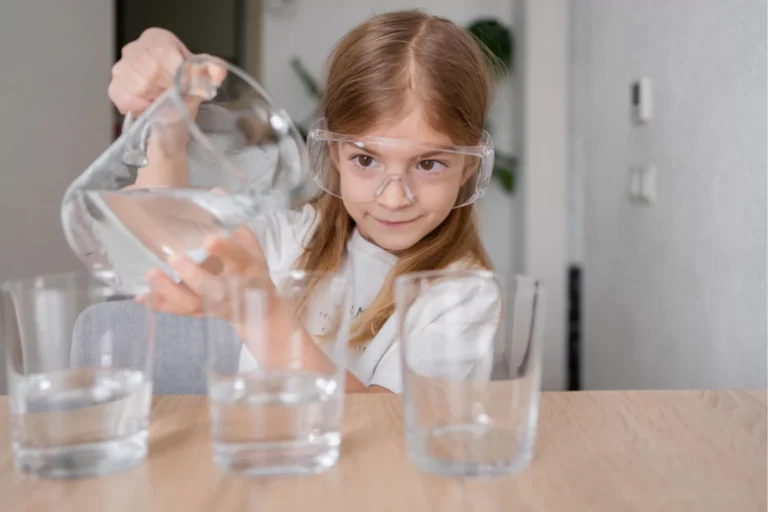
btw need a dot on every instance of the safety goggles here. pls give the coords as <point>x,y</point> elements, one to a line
<point>399,171</point>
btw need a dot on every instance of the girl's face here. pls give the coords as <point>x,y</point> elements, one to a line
<point>420,189</point>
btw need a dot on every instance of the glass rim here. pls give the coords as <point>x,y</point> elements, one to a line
<point>449,272</point>
<point>508,282</point>
<point>297,274</point>
<point>66,280</point>
<point>468,272</point>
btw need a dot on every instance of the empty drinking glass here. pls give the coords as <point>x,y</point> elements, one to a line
<point>471,364</point>
<point>79,395</point>
<point>277,371</point>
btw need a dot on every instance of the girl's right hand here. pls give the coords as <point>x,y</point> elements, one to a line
<point>146,70</point>
<point>239,257</point>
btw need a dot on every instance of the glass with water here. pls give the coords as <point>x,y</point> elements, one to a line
<point>206,157</point>
<point>276,371</point>
<point>471,343</point>
<point>79,391</point>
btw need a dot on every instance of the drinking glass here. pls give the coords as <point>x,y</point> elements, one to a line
<point>276,400</point>
<point>79,400</point>
<point>471,343</point>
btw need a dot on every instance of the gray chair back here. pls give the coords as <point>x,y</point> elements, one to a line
<point>180,343</point>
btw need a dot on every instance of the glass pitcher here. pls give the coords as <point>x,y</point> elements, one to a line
<point>205,158</point>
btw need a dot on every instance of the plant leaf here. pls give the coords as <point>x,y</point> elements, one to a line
<point>498,39</point>
<point>308,81</point>
<point>505,171</point>
<point>505,178</point>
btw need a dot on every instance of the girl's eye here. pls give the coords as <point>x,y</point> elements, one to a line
<point>364,161</point>
<point>431,165</point>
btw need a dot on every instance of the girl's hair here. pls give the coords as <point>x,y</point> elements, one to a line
<point>373,73</point>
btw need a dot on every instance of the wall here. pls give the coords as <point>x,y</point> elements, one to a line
<point>55,118</point>
<point>205,26</point>
<point>543,140</point>
<point>674,292</point>
<point>309,30</point>
<point>577,117</point>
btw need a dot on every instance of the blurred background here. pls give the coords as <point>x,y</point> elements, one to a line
<point>632,171</point>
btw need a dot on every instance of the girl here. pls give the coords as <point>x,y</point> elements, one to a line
<point>400,156</point>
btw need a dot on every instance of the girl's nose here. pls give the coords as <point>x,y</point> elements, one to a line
<point>394,195</point>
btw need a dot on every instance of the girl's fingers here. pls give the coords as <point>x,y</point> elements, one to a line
<point>167,63</point>
<point>171,297</point>
<point>148,75</point>
<point>247,238</point>
<point>239,253</point>
<point>216,72</point>
<point>126,101</point>
<point>197,279</point>
<point>204,285</point>
<point>155,302</point>
<point>234,258</point>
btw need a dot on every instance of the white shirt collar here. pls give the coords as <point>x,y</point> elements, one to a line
<point>358,243</point>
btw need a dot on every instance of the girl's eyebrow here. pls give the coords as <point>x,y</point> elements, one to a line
<point>421,156</point>
<point>362,148</point>
<point>432,154</point>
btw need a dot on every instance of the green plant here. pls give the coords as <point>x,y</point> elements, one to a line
<point>498,43</point>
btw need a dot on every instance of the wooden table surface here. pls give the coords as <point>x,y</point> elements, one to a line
<point>612,451</point>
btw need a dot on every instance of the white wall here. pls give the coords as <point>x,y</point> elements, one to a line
<point>542,219</point>
<point>577,119</point>
<point>309,30</point>
<point>55,118</point>
<point>674,292</point>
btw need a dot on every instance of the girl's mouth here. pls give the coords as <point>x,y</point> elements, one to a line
<point>395,224</point>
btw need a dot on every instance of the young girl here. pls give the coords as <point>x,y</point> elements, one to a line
<point>400,156</point>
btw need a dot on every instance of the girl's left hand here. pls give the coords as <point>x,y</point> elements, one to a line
<point>239,255</point>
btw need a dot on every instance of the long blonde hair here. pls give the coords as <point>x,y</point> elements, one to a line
<point>372,73</point>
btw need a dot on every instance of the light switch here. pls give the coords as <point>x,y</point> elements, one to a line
<point>642,183</point>
<point>642,100</point>
<point>634,183</point>
<point>648,184</point>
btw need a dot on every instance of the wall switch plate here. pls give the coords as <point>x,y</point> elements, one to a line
<point>648,184</point>
<point>642,183</point>
<point>634,183</point>
<point>642,100</point>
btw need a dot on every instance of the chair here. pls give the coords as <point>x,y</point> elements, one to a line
<point>180,343</point>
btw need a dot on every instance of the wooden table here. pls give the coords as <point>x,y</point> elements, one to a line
<point>613,451</point>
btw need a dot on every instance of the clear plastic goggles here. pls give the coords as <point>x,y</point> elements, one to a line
<point>399,171</point>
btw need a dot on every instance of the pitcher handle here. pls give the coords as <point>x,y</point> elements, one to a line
<point>135,155</point>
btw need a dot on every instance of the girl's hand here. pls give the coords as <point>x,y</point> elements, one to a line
<point>147,68</point>
<point>219,288</point>
<point>240,256</point>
